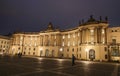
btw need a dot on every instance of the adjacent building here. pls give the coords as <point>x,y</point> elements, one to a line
<point>4,45</point>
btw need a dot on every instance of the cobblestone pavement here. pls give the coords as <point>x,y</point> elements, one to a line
<point>36,66</point>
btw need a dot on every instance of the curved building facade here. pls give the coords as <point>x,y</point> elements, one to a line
<point>91,40</point>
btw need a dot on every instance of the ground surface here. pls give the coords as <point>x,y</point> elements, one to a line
<point>36,66</point>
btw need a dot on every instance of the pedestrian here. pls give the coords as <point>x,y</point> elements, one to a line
<point>73,60</point>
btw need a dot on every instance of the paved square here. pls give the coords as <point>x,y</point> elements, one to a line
<point>36,66</point>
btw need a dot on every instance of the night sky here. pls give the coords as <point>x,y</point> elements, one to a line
<point>34,15</point>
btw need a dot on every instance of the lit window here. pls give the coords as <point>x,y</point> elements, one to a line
<point>30,44</point>
<point>35,44</point>
<point>103,31</point>
<point>55,36</point>
<point>73,43</point>
<point>54,43</point>
<point>68,43</point>
<point>68,35</point>
<point>78,34</point>
<point>21,38</point>
<point>20,42</point>
<point>92,32</point>
<point>92,40</point>
<point>103,40</point>
<point>31,37</point>
<point>63,44</point>
<point>63,37</point>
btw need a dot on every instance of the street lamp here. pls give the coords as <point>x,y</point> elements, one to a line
<point>86,52</point>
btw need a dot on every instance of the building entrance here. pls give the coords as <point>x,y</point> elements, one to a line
<point>47,53</point>
<point>92,54</point>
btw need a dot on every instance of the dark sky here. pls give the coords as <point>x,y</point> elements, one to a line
<point>34,15</point>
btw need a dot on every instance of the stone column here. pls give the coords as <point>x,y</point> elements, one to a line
<point>99,34</point>
<point>96,36</point>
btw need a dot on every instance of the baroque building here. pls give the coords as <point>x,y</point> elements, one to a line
<point>91,40</point>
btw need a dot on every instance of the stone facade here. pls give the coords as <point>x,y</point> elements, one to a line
<point>92,40</point>
<point>4,45</point>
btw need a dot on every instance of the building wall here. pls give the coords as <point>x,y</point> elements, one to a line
<point>114,43</point>
<point>88,41</point>
<point>78,41</point>
<point>4,45</point>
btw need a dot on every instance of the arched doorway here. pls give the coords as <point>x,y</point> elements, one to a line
<point>47,53</point>
<point>91,54</point>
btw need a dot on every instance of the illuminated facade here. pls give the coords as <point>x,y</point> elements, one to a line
<point>91,40</point>
<point>4,45</point>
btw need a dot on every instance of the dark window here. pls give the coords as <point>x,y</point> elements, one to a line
<point>73,50</point>
<point>114,41</point>
<point>80,55</point>
<point>80,48</point>
<point>29,53</point>
<point>77,49</point>
<point>115,30</point>
<point>25,48</point>
<point>19,48</point>
<point>24,53</point>
<point>33,53</point>
<point>105,48</point>
<point>67,50</point>
<point>106,56</point>
<point>34,49</point>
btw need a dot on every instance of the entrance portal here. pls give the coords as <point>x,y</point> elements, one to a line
<point>92,54</point>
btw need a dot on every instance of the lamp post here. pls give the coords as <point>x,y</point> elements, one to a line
<point>86,52</point>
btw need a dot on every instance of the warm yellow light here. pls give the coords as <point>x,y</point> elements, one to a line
<point>41,49</point>
<point>86,49</point>
<point>61,49</point>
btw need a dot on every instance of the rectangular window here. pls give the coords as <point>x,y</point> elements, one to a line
<point>105,48</point>
<point>106,56</point>
<point>73,50</point>
<point>114,41</point>
<point>34,49</point>
<point>80,48</point>
<point>67,50</point>
<point>80,55</point>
